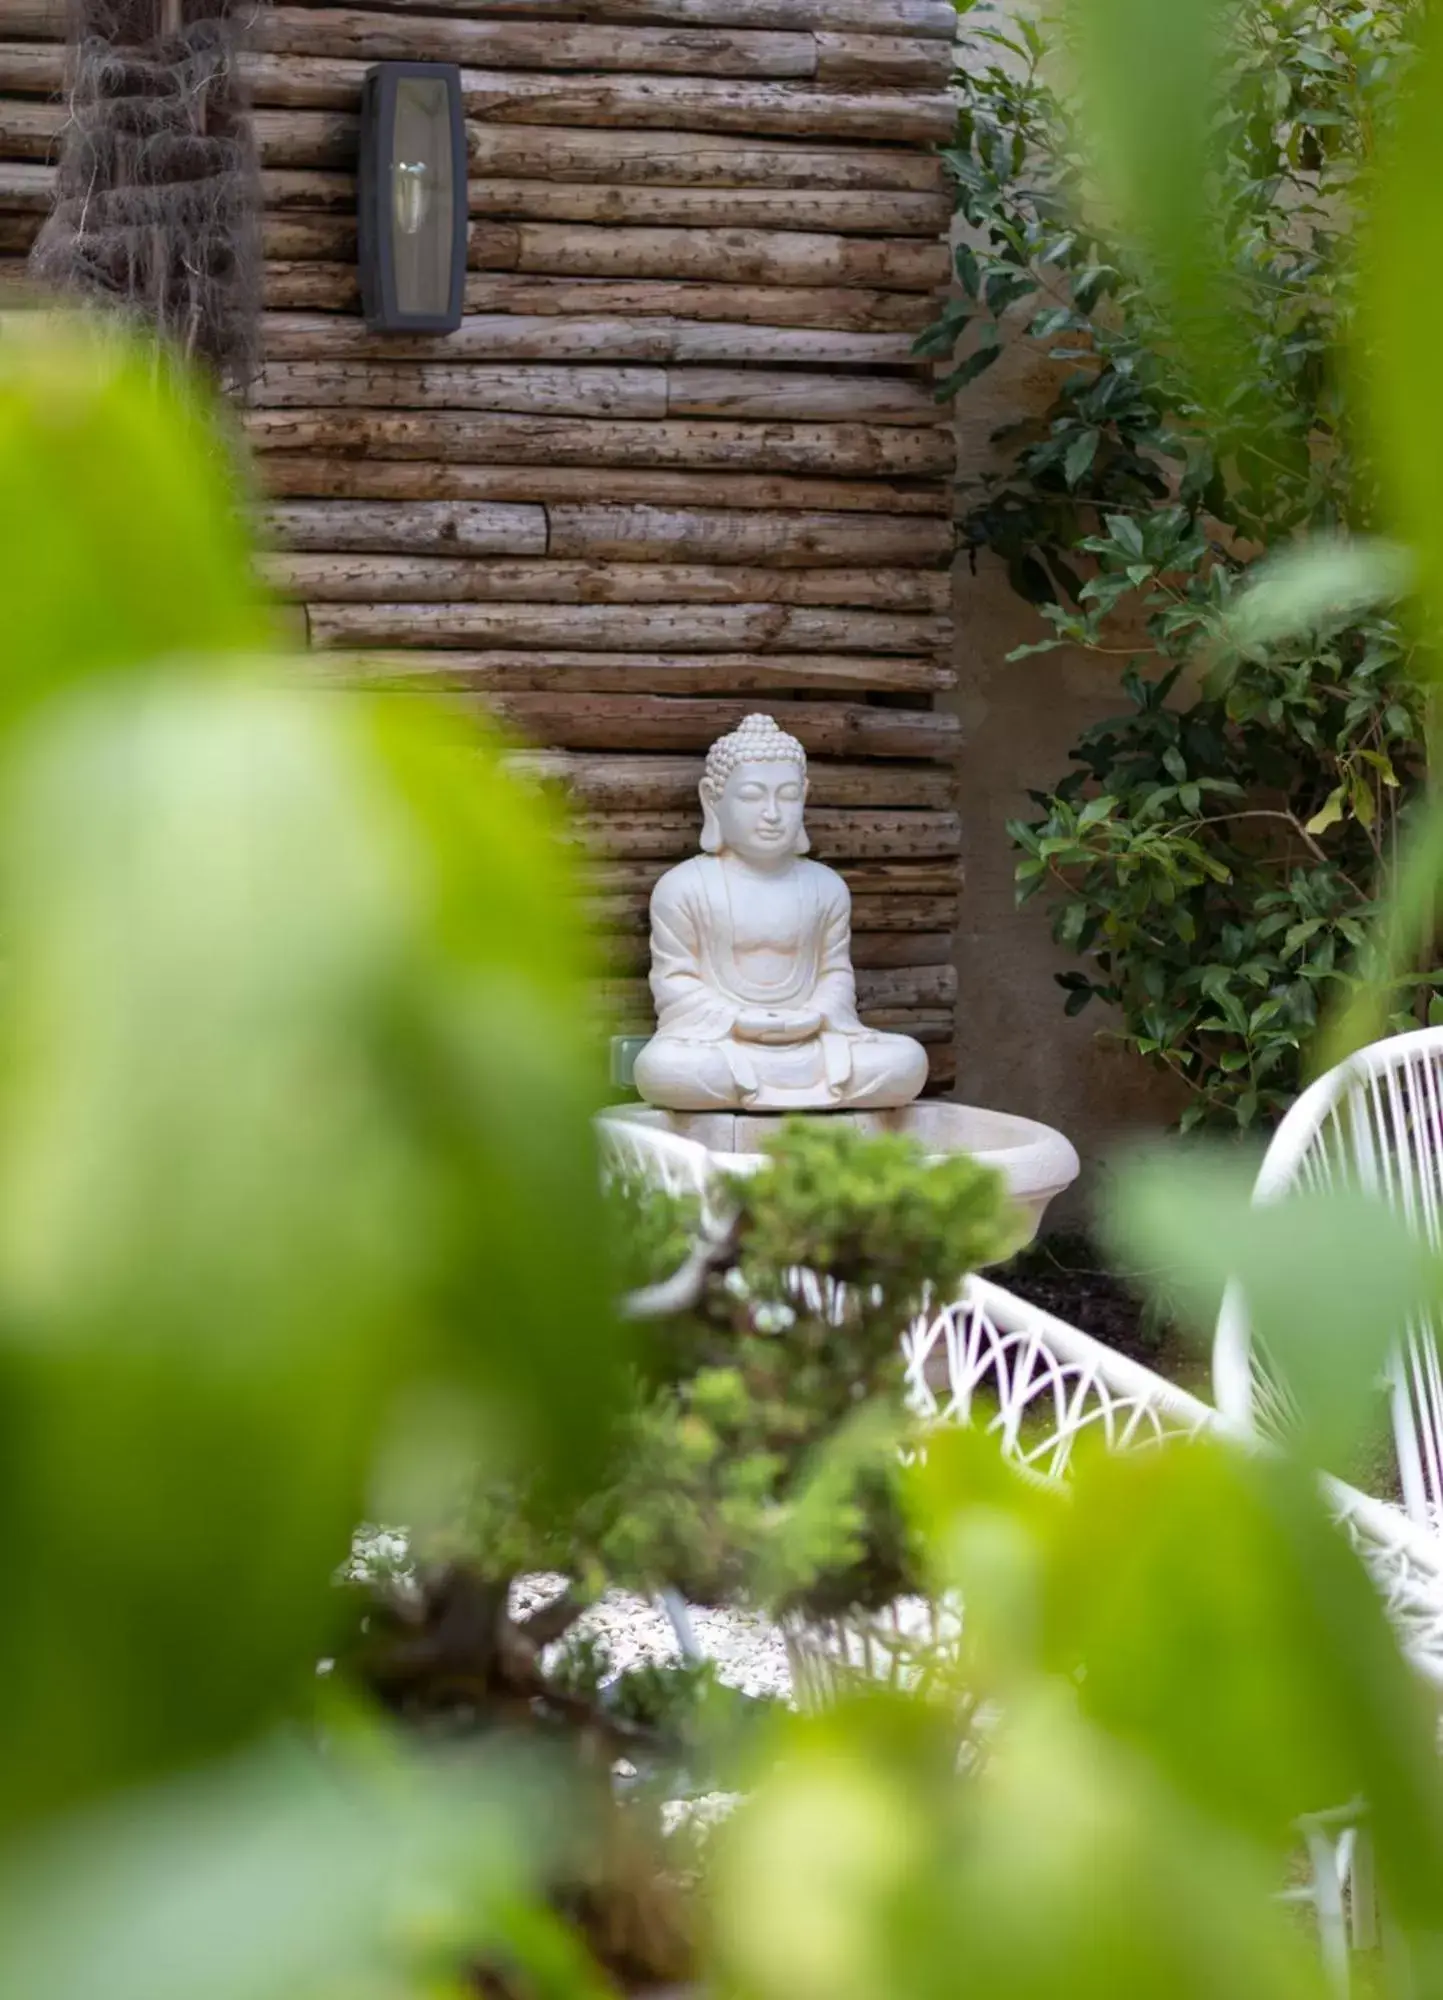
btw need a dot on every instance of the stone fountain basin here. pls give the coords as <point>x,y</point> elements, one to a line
<point>1037,1163</point>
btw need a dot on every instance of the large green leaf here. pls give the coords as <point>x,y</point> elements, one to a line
<point>1150,81</point>
<point>294,1127</point>
<point>1399,301</point>
<point>865,1865</point>
<point>1206,1605</point>
<point>281,1877</point>
<point>120,512</point>
<point>1331,1279</point>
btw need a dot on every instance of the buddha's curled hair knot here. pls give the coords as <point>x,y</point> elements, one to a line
<point>757,740</point>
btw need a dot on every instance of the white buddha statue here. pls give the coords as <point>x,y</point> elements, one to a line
<point>756,1002</point>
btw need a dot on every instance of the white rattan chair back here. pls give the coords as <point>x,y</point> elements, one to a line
<point>1376,1123</point>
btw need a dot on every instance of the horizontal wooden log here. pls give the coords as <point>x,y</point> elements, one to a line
<point>542,45</point>
<point>780,257</point>
<point>642,534</point>
<point>31,69</point>
<point>648,795</point>
<point>30,130</point>
<point>612,628</point>
<point>26,187</point>
<point>917,986</point>
<point>301,336</point>
<point>726,255</point>
<point>334,578</point>
<point>332,287</point>
<point>283,473</point>
<point>871,61</point>
<point>477,528</point>
<point>688,103</point>
<point>626,722</point>
<point>545,389</point>
<point>936,19</point>
<point>577,392</point>
<point>864,61</point>
<point>630,952</point>
<point>836,450</point>
<point>17,233</point>
<point>309,239</point>
<point>298,285</point>
<point>290,138</point>
<point>518,672</point>
<point>309,190</point>
<point>789,394</point>
<point>294,139</point>
<point>907,881</point>
<point>695,159</point>
<point>910,851</point>
<point>844,307</point>
<point>866,211</point>
<point>45,20</point>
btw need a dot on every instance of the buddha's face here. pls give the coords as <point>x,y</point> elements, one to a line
<point>759,812</point>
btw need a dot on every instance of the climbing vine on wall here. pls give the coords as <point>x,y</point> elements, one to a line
<point>1213,854</point>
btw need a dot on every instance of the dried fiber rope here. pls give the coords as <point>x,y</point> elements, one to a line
<point>158,198</point>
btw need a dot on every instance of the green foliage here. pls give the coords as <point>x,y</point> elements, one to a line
<point>764,1463</point>
<point>1216,856</point>
<point>121,535</point>
<point>758,1460</point>
<point>650,1232</point>
<point>293,1096</point>
<point>1179,1658</point>
<point>869,1213</point>
<point>295,1086</point>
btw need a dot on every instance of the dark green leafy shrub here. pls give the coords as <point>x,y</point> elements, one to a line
<point>1216,854</point>
<point>757,1461</point>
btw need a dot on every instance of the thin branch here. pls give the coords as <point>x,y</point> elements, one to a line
<point>552,1621</point>
<point>1318,853</point>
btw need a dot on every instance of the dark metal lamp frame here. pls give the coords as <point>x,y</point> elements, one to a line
<point>375,240</point>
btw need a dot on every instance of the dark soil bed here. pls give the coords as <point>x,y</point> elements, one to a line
<point>1068,1275</point>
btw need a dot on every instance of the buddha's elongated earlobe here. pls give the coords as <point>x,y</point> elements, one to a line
<point>804,845</point>
<point>711,833</point>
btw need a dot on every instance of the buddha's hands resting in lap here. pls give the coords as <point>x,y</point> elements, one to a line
<point>780,1026</point>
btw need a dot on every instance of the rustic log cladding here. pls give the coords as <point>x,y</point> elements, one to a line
<point>157,191</point>
<point>679,461</point>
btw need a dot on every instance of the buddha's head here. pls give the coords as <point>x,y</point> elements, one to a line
<point>754,795</point>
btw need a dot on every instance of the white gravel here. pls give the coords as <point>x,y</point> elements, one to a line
<point>746,1650</point>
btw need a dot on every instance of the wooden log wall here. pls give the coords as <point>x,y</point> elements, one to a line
<point>680,461</point>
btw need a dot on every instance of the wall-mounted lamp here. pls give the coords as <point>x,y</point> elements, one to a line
<point>412,181</point>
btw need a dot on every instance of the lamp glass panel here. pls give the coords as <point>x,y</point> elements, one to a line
<point>422,193</point>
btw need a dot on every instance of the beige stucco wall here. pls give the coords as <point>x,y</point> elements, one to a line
<point>1016,1049</point>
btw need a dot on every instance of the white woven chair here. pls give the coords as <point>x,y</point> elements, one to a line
<point>1039,1385</point>
<point>1376,1123</point>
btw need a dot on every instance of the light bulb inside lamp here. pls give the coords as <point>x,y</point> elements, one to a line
<point>411,195</point>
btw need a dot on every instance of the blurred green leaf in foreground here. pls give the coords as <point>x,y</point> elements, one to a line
<point>295,1086</point>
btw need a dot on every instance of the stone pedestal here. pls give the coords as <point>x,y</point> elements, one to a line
<point>1037,1163</point>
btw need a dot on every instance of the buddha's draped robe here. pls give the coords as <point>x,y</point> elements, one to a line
<point>700,988</point>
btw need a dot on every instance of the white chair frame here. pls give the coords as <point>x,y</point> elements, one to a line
<point>1039,1385</point>
<point>1374,1122</point>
